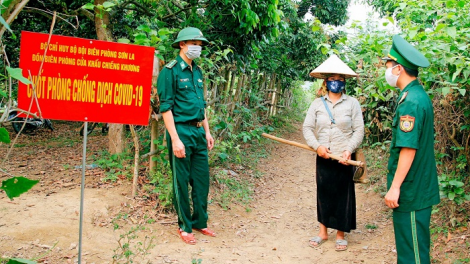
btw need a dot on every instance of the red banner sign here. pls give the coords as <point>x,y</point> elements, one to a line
<point>86,80</point>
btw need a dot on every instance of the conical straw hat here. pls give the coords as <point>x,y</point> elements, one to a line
<point>333,65</point>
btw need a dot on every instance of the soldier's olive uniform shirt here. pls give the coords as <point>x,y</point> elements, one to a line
<point>182,91</point>
<point>413,127</point>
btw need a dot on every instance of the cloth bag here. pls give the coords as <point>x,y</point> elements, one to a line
<point>360,173</point>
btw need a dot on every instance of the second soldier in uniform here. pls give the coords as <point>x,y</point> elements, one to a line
<point>182,104</point>
<point>412,178</point>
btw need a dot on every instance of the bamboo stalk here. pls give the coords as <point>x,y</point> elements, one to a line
<point>304,146</point>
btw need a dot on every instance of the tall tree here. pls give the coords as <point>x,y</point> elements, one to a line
<point>327,11</point>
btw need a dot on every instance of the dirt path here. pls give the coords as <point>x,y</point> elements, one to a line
<point>276,229</point>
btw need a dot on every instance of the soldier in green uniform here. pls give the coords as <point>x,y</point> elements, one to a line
<point>412,178</point>
<point>182,104</point>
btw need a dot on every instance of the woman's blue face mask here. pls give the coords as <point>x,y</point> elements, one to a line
<point>335,86</point>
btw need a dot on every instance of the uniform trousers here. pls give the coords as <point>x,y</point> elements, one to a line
<point>412,236</point>
<point>193,170</point>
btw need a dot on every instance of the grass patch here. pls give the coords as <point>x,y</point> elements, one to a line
<point>231,187</point>
<point>377,160</point>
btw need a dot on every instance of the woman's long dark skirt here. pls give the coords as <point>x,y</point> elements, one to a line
<point>336,198</point>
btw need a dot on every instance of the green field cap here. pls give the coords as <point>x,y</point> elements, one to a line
<point>405,54</point>
<point>189,33</point>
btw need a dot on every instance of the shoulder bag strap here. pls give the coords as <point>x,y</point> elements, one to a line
<point>328,110</point>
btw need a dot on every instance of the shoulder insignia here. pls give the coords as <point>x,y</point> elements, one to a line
<point>407,123</point>
<point>171,64</point>
<point>403,97</point>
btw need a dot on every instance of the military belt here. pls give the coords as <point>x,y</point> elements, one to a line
<point>192,123</point>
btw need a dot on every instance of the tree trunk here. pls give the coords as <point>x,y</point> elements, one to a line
<point>103,32</point>
<point>154,133</point>
<point>102,25</point>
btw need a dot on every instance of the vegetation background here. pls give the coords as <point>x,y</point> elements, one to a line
<point>259,57</point>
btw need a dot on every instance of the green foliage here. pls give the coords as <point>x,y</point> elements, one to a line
<point>5,24</point>
<point>16,186</point>
<point>4,136</point>
<point>371,226</point>
<point>439,30</point>
<point>161,185</point>
<point>18,74</point>
<point>196,261</point>
<point>114,165</point>
<point>131,247</point>
<point>4,6</point>
<point>20,261</point>
<point>329,12</point>
<point>452,189</point>
<point>40,22</point>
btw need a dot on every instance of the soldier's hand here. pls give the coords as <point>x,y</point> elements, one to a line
<point>391,198</point>
<point>322,151</point>
<point>178,148</point>
<point>210,141</point>
<point>347,156</point>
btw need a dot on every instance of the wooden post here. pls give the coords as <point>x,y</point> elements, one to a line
<point>237,93</point>
<point>205,89</point>
<point>229,91</point>
<point>228,80</point>
<point>273,96</point>
<point>249,86</point>
<point>278,92</point>
<point>213,92</point>
<point>154,132</point>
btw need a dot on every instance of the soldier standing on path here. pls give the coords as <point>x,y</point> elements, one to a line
<point>182,104</point>
<point>412,176</point>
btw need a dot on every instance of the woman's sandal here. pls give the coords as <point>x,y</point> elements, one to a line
<point>188,238</point>
<point>341,242</point>
<point>317,240</point>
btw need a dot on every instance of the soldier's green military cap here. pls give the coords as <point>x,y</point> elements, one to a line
<point>405,54</point>
<point>189,33</point>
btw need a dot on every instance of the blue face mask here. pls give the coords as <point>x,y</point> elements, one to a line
<point>335,86</point>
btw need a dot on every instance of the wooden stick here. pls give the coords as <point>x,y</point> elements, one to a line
<point>300,145</point>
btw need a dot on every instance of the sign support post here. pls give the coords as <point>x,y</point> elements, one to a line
<point>82,192</point>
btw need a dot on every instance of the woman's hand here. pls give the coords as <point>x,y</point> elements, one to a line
<point>347,156</point>
<point>322,151</point>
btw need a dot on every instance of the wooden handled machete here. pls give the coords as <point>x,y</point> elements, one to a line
<point>304,146</point>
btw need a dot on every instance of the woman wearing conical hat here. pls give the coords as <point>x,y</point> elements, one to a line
<point>334,125</point>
